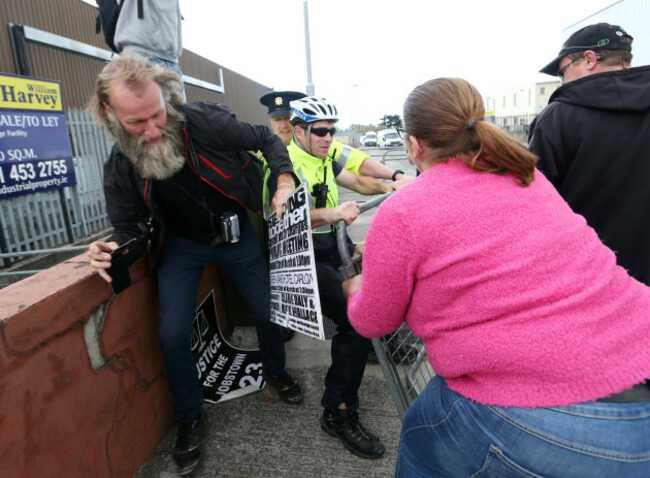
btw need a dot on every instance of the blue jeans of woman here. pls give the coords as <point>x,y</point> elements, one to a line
<point>181,266</point>
<point>447,435</point>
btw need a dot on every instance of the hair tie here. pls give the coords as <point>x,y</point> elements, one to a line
<point>470,125</point>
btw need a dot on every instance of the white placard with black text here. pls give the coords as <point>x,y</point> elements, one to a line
<point>295,302</point>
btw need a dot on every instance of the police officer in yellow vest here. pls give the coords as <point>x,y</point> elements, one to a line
<point>354,160</point>
<point>313,120</point>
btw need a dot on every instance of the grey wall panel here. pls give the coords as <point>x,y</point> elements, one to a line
<point>75,19</point>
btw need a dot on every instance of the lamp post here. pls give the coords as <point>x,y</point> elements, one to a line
<point>310,85</point>
<point>354,127</point>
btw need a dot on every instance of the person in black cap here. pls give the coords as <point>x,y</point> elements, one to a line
<point>354,160</point>
<point>277,103</point>
<point>592,49</point>
<point>593,140</point>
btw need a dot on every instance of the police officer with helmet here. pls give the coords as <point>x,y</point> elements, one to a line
<point>313,120</point>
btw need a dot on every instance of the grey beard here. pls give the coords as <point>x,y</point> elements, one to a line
<point>158,161</point>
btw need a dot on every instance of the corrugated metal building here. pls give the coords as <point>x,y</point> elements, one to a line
<point>633,16</point>
<point>56,39</point>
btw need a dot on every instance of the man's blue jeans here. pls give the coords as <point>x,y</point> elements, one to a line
<point>447,435</point>
<point>181,266</point>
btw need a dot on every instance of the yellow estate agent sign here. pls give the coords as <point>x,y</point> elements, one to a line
<point>21,93</point>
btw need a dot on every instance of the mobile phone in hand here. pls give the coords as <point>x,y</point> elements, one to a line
<point>119,269</point>
<point>123,247</point>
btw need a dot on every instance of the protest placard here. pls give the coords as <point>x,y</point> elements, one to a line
<point>295,302</point>
<point>224,371</point>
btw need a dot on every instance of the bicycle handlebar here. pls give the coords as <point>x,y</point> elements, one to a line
<point>348,267</point>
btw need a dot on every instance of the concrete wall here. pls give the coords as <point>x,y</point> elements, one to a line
<point>82,385</point>
<point>543,92</point>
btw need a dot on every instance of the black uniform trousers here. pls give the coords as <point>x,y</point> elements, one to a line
<point>349,349</point>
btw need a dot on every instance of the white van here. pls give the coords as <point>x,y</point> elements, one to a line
<point>388,138</point>
<point>370,139</point>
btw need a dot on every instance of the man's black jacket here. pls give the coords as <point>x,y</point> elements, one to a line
<point>593,144</point>
<point>221,143</point>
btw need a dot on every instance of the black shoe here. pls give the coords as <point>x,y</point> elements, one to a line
<point>288,389</point>
<point>288,333</point>
<point>188,445</point>
<point>372,357</point>
<point>345,425</point>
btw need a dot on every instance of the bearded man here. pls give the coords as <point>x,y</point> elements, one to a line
<point>182,168</point>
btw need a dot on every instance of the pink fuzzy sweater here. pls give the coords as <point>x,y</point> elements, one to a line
<point>516,298</point>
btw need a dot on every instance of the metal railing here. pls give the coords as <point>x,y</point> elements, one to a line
<point>395,158</point>
<point>402,356</point>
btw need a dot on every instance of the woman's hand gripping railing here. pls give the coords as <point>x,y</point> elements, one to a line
<point>349,267</point>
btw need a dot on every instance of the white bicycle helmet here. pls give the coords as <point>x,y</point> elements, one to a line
<point>312,109</point>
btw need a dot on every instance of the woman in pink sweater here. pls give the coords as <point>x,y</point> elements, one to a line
<point>540,342</point>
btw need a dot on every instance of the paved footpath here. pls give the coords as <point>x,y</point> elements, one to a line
<point>259,436</point>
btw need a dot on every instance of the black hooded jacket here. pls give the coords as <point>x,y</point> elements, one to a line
<point>593,144</point>
<point>221,161</point>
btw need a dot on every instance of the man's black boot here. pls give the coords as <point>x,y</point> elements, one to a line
<point>287,388</point>
<point>345,425</point>
<point>288,333</point>
<point>189,442</point>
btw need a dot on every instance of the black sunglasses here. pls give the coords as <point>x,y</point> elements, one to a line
<point>401,132</point>
<point>561,71</point>
<point>322,132</point>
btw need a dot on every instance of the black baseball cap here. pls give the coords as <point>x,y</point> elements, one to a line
<point>278,102</point>
<point>601,36</point>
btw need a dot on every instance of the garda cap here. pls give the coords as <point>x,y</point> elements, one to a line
<point>278,102</point>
